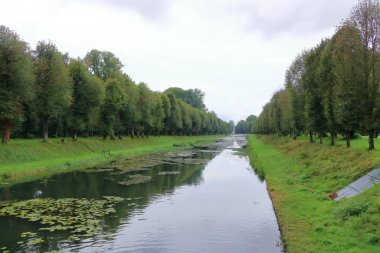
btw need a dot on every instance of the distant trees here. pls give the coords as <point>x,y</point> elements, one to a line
<point>245,126</point>
<point>334,87</point>
<point>45,91</point>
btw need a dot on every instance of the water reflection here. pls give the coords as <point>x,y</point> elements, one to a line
<point>216,207</point>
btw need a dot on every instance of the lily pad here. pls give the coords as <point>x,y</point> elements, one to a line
<point>80,217</point>
<point>135,179</point>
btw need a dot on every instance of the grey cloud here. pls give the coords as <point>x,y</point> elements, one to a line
<point>297,16</point>
<point>152,9</point>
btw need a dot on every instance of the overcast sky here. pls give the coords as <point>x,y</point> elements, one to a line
<point>236,51</point>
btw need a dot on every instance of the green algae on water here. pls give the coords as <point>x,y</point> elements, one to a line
<point>80,217</point>
<point>135,179</point>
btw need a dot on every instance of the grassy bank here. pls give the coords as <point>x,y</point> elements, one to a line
<point>300,177</point>
<point>24,160</point>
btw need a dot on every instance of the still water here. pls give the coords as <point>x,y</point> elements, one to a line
<point>217,206</point>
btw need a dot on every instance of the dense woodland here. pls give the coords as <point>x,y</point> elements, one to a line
<point>45,92</point>
<point>333,88</point>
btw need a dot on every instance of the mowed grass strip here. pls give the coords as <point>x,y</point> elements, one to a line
<point>25,160</point>
<point>300,176</point>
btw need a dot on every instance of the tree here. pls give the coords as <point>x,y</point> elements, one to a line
<point>293,80</point>
<point>103,64</point>
<point>113,104</point>
<point>145,106</point>
<point>175,120</point>
<point>158,114</point>
<point>186,117</point>
<point>193,97</point>
<point>350,80</point>
<point>53,84</point>
<point>133,114</point>
<point>327,82</point>
<point>365,18</point>
<point>314,116</point>
<point>88,94</point>
<point>167,112</point>
<point>16,79</point>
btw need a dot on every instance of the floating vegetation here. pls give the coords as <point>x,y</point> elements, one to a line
<point>135,179</point>
<point>80,217</point>
<point>100,169</point>
<point>164,173</point>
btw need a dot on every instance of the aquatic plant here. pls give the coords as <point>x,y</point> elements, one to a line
<point>80,217</point>
<point>135,179</point>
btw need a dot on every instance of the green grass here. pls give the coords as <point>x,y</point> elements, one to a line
<point>25,160</point>
<point>360,142</point>
<point>300,176</point>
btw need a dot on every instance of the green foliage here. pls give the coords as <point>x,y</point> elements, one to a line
<point>16,75</point>
<point>89,97</point>
<point>114,102</point>
<point>53,92</point>
<point>103,64</point>
<point>246,126</point>
<point>332,88</point>
<point>193,97</point>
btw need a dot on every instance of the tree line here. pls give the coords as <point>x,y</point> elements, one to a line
<point>45,92</point>
<point>333,88</point>
<point>245,126</point>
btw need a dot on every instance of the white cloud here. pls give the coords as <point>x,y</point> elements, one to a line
<point>236,51</point>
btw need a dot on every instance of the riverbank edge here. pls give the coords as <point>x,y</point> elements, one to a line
<point>85,152</point>
<point>300,229</point>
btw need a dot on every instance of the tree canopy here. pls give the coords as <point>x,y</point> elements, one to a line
<point>333,88</point>
<point>45,92</point>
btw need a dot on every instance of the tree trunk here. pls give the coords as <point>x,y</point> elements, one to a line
<point>74,135</point>
<point>371,141</point>
<point>311,137</point>
<point>332,142</point>
<point>113,137</point>
<point>45,132</point>
<point>133,132</point>
<point>6,130</point>
<point>348,139</point>
<point>320,138</point>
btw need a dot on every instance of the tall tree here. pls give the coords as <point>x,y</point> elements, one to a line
<point>16,79</point>
<point>114,102</point>
<point>314,116</point>
<point>145,106</point>
<point>327,81</point>
<point>293,79</point>
<point>175,120</point>
<point>350,82</point>
<point>103,64</point>
<point>365,17</point>
<point>88,94</point>
<point>53,84</point>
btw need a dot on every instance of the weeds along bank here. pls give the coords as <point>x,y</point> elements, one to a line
<point>300,176</point>
<point>24,160</point>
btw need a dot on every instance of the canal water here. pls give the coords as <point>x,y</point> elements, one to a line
<point>219,205</point>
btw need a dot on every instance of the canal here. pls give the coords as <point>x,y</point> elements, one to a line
<point>207,199</point>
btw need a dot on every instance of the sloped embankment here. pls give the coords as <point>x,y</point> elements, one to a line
<point>301,176</point>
